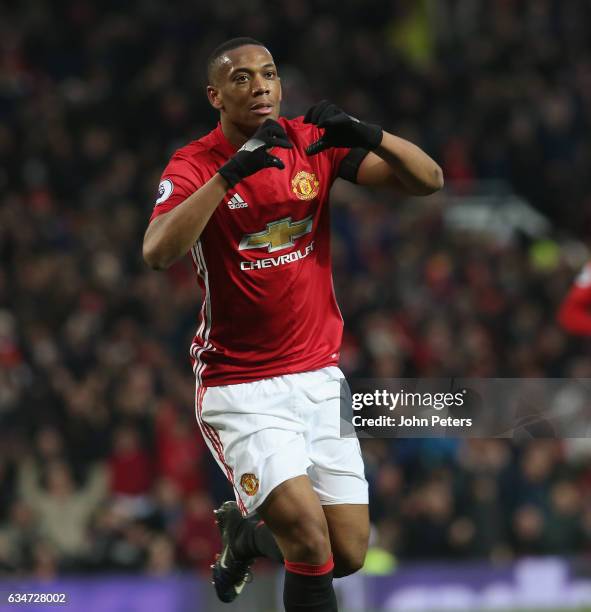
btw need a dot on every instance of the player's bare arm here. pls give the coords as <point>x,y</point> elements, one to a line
<point>391,161</point>
<point>400,164</point>
<point>170,236</point>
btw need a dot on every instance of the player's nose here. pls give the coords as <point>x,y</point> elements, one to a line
<point>260,86</point>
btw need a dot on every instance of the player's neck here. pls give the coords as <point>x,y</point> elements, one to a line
<point>233,133</point>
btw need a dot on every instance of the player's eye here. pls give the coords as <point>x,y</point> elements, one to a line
<point>270,74</point>
<point>241,78</point>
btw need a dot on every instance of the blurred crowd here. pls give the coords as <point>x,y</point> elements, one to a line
<point>102,466</point>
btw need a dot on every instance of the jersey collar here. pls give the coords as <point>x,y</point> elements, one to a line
<point>223,145</point>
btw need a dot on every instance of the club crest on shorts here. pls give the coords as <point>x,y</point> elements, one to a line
<point>305,185</point>
<point>249,483</point>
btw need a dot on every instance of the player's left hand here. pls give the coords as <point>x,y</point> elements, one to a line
<point>340,129</point>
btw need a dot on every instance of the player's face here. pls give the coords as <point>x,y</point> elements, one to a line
<point>248,88</point>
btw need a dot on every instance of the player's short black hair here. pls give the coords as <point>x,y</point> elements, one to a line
<point>233,43</point>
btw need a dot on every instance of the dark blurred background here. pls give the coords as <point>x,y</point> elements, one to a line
<point>102,467</point>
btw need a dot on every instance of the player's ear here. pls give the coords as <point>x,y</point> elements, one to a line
<point>214,95</point>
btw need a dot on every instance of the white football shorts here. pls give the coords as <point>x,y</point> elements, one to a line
<point>265,432</point>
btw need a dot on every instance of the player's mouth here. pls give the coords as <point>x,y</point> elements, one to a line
<point>262,108</point>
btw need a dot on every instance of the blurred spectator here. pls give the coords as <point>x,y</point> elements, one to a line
<point>197,541</point>
<point>528,527</point>
<point>63,511</point>
<point>17,538</point>
<point>118,542</point>
<point>161,557</point>
<point>130,466</point>
<point>180,449</point>
<point>169,504</point>
<point>574,314</point>
<point>565,517</point>
<point>429,514</point>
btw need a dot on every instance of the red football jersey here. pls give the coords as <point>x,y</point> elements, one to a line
<point>263,260</point>
<point>575,311</point>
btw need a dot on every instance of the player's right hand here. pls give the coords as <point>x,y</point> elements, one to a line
<point>254,154</point>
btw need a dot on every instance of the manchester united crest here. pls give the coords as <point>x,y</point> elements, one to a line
<point>249,483</point>
<point>305,185</point>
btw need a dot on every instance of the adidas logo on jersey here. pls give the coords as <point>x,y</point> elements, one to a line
<point>236,202</point>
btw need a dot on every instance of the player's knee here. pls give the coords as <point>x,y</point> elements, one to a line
<point>308,543</point>
<point>349,554</point>
<point>349,562</point>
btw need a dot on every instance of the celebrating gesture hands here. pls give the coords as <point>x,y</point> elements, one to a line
<point>340,129</point>
<point>254,154</point>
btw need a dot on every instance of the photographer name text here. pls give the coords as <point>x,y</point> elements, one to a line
<point>434,420</point>
<point>403,399</point>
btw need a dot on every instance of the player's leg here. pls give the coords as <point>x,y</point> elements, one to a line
<point>293,513</point>
<point>348,526</point>
<point>337,472</point>
<point>230,440</point>
<point>254,539</point>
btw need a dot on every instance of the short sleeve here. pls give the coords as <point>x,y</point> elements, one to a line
<point>349,164</point>
<point>181,178</point>
<point>345,162</point>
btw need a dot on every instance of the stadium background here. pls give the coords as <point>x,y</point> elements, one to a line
<point>103,473</point>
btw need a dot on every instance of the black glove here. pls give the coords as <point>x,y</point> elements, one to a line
<point>253,155</point>
<point>340,129</point>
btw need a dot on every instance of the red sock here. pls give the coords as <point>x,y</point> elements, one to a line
<point>307,569</point>
<point>308,587</point>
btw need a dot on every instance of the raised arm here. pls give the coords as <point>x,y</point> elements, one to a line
<point>171,235</point>
<point>96,487</point>
<point>399,164</point>
<point>391,161</point>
